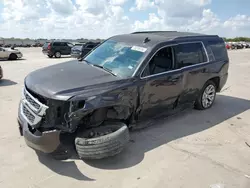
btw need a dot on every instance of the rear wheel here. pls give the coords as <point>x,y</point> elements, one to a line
<point>101,142</point>
<point>50,56</point>
<point>12,57</point>
<point>57,54</point>
<point>206,97</point>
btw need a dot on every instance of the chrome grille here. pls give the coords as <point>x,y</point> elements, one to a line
<point>28,115</point>
<point>32,109</point>
<point>31,101</point>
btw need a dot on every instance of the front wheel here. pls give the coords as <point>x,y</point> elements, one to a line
<point>101,142</point>
<point>50,56</point>
<point>12,57</point>
<point>206,97</point>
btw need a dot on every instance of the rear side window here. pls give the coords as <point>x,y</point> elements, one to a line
<point>218,48</point>
<point>56,44</point>
<point>190,54</point>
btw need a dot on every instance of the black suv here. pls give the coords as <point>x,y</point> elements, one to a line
<point>57,48</point>
<point>79,51</point>
<point>90,104</point>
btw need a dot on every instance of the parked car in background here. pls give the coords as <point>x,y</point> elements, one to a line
<point>228,45</point>
<point>1,72</point>
<point>7,45</point>
<point>89,106</point>
<point>76,50</point>
<point>57,48</point>
<point>236,45</point>
<point>80,51</point>
<point>11,54</point>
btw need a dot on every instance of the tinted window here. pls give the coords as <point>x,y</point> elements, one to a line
<point>218,48</point>
<point>57,44</point>
<point>190,54</point>
<point>161,62</point>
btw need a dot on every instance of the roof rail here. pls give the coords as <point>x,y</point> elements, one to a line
<point>138,32</point>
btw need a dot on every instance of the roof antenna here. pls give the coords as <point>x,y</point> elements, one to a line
<point>146,40</point>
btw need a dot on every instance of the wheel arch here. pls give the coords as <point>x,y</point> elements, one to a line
<point>216,81</point>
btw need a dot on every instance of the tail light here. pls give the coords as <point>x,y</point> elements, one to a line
<point>49,46</point>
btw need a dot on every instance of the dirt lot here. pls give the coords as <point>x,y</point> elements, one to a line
<point>195,149</point>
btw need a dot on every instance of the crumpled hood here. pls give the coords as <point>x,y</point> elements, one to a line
<point>65,80</point>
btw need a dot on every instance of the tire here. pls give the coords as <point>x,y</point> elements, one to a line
<point>102,146</point>
<point>200,103</point>
<point>12,57</point>
<point>50,56</point>
<point>58,54</point>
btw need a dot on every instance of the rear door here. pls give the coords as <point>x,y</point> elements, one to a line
<point>64,48</point>
<point>68,48</point>
<point>192,59</point>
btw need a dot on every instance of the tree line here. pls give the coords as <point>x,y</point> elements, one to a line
<point>237,39</point>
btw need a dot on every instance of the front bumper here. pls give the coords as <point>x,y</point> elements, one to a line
<point>20,55</point>
<point>47,142</point>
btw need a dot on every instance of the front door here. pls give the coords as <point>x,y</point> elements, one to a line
<point>161,84</point>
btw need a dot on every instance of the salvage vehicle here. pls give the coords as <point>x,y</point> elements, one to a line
<point>56,48</point>
<point>89,106</point>
<point>11,54</point>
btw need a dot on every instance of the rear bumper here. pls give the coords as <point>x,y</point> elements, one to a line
<point>45,52</point>
<point>47,142</point>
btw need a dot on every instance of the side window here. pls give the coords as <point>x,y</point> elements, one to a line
<point>57,44</point>
<point>161,62</point>
<point>218,48</point>
<point>190,54</point>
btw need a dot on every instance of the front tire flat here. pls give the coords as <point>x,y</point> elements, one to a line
<point>110,140</point>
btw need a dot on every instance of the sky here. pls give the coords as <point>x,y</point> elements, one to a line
<point>104,18</point>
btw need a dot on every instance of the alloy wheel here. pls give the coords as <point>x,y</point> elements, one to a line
<point>208,96</point>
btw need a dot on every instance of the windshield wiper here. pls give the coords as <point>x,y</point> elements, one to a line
<point>104,68</point>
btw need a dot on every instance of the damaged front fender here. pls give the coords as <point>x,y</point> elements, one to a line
<point>94,110</point>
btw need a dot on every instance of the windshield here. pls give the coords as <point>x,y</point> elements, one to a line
<point>118,57</point>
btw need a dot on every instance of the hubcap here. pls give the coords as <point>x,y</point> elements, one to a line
<point>208,96</point>
<point>57,54</point>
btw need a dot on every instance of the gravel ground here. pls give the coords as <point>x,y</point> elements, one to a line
<point>191,149</point>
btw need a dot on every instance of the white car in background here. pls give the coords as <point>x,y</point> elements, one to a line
<point>11,54</point>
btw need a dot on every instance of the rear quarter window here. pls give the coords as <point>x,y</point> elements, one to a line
<point>219,49</point>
